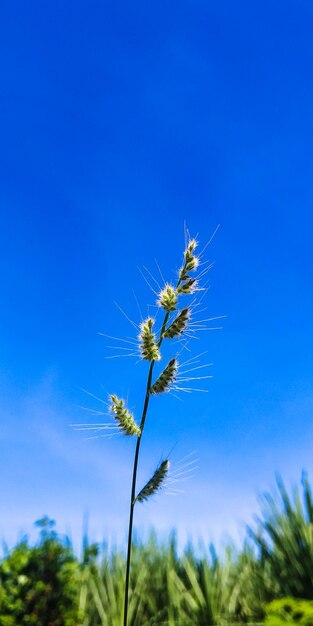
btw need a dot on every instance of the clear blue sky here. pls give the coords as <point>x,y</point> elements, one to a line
<point>120,121</point>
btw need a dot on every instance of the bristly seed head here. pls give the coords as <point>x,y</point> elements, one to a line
<point>188,287</point>
<point>124,417</point>
<point>191,261</point>
<point>165,379</point>
<point>155,483</point>
<point>178,326</point>
<point>148,346</point>
<point>192,244</point>
<point>168,298</point>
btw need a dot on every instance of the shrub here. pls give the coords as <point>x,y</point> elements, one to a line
<point>289,611</point>
<point>38,585</point>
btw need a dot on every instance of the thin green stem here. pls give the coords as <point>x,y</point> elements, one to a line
<point>135,468</point>
<point>134,478</point>
<point>133,494</point>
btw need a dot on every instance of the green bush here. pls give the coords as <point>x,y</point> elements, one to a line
<point>289,611</point>
<point>39,585</point>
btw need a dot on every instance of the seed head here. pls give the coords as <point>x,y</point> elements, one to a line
<point>155,482</point>
<point>124,417</point>
<point>191,261</point>
<point>165,379</point>
<point>148,346</point>
<point>188,287</point>
<point>168,298</point>
<point>192,244</point>
<point>179,324</point>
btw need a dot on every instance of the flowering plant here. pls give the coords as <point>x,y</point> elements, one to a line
<point>178,324</point>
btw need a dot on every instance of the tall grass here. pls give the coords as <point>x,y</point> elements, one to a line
<point>197,587</point>
<point>174,324</point>
<point>166,588</point>
<point>190,587</point>
<point>284,538</point>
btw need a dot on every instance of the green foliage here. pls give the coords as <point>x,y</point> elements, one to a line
<point>289,611</point>
<point>166,589</point>
<point>284,538</point>
<point>39,585</point>
<point>45,585</point>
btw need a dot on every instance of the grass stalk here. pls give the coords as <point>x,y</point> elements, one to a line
<point>167,299</point>
<point>134,475</point>
<point>173,327</point>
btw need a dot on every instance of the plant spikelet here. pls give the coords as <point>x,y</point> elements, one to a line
<point>155,482</point>
<point>189,286</point>
<point>165,379</point>
<point>124,417</point>
<point>148,346</point>
<point>179,324</point>
<point>168,298</point>
<point>191,260</point>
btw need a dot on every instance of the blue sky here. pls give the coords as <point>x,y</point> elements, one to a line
<point>118,124</point>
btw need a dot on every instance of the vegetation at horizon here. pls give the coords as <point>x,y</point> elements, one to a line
<point>270,579</point>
